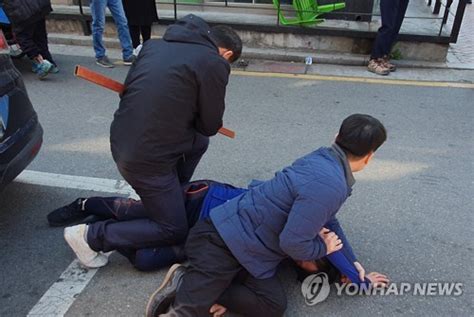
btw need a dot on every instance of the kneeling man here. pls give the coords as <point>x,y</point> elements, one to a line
<point>287,216</point>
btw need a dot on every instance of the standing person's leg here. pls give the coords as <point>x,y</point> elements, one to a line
<point>382,44</point>
<point>249,296</point>
<point>146,32</point>
<point>400,16</point>
<point>188,164</point>
<point>135,35</point>
<point>41,40</point>
<point>211,264</point>
<point>116,8</point>
<point>383,40</point>
<point>24,36</point>
<point>98,23</point>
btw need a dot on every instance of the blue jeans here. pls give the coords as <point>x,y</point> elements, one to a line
<point>98,24</point>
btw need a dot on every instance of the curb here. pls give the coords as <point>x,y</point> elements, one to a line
<point>272,54</point>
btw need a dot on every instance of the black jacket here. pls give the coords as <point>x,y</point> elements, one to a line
<point>175,89</point>
<point>24,12</point>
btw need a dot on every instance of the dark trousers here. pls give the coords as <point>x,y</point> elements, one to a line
<point>33,40</point>
<point>215,276</point>
<point>393,13</point>
<point>136,30</point>
<point>164,221</point>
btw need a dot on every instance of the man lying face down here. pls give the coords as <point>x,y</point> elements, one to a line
<point>200,197</point>
<point>291,215</point>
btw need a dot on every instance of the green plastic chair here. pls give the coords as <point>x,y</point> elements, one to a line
<point>307,11</point>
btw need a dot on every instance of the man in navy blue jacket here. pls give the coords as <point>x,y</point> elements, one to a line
<point>284,217</point>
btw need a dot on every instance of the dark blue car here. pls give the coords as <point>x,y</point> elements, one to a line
<point>21,134</point>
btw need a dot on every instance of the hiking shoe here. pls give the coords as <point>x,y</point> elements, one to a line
<point>377,66</point>
<point>129,61</point>
<point>42,69</point>
<point>104,62</point>
<point>69,214</point>
<point>163,297</point>
<point>389,65</point>
<point>76,238</point>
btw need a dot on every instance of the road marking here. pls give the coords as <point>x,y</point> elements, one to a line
<point>363,80</point>
<point>103,185</point>
<point>57,300</point>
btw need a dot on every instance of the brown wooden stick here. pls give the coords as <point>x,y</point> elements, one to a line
<point>106,82</point>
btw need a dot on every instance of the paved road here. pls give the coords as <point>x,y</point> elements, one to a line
<point>410,215</point>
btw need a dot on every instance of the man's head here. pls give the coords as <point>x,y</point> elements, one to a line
<point>228,42</point>
<point>359,137</point>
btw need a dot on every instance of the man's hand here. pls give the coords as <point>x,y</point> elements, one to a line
<point>361,271</point>
<point>331,240</point>
<point>378,280</point>
<point>217,310</point>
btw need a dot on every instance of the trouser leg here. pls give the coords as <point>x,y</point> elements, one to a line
<point>212,267</point>
<point>135,35</point>
<point>383,40</point>
<point>400,16</point>
<point>116,8</point>
<point>25,38</point>
<point>146,32</point>
<point>165,223</point>
<point>40,38</point>
<point>190,160</point>
<point>98,23</point>
<point>157,258</point>
<point>249,296</point>
<point>118,208</point>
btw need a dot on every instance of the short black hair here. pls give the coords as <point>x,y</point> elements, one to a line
<point>361,134</point>
<point>227,38</point>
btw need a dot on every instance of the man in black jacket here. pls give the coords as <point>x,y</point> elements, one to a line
<point>173,101</point>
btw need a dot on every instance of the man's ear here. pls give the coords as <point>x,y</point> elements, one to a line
<point>228,55</point>
<point>368,157</point>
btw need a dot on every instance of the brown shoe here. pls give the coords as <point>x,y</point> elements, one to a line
<point>377,66</point>
<point>387,63</point>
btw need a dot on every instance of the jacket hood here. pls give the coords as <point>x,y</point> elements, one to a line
<point>190,29</point>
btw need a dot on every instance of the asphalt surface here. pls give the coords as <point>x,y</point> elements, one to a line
<point>410,215</point>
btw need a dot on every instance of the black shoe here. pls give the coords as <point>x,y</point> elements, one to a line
<point>68,215</point>
<point>129,61</point>
<point>104,62</point>
<point>161,300</point>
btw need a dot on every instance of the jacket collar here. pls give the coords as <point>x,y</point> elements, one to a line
<point>339,154</point>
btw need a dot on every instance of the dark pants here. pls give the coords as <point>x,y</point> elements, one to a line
<point>136,30</point>
<point>33,40</point>
<point>393,13</point>
<point>215,276</point>
<point>164,221</point>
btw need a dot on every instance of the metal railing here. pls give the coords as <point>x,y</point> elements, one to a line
<point>437,5</point>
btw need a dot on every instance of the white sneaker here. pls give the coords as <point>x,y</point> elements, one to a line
<point>137,50</point>
<point>75,237</point>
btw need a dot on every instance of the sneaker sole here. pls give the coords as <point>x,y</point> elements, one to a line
<point>381,74</point>
<point>168,277</point>
<point>105,66</point>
